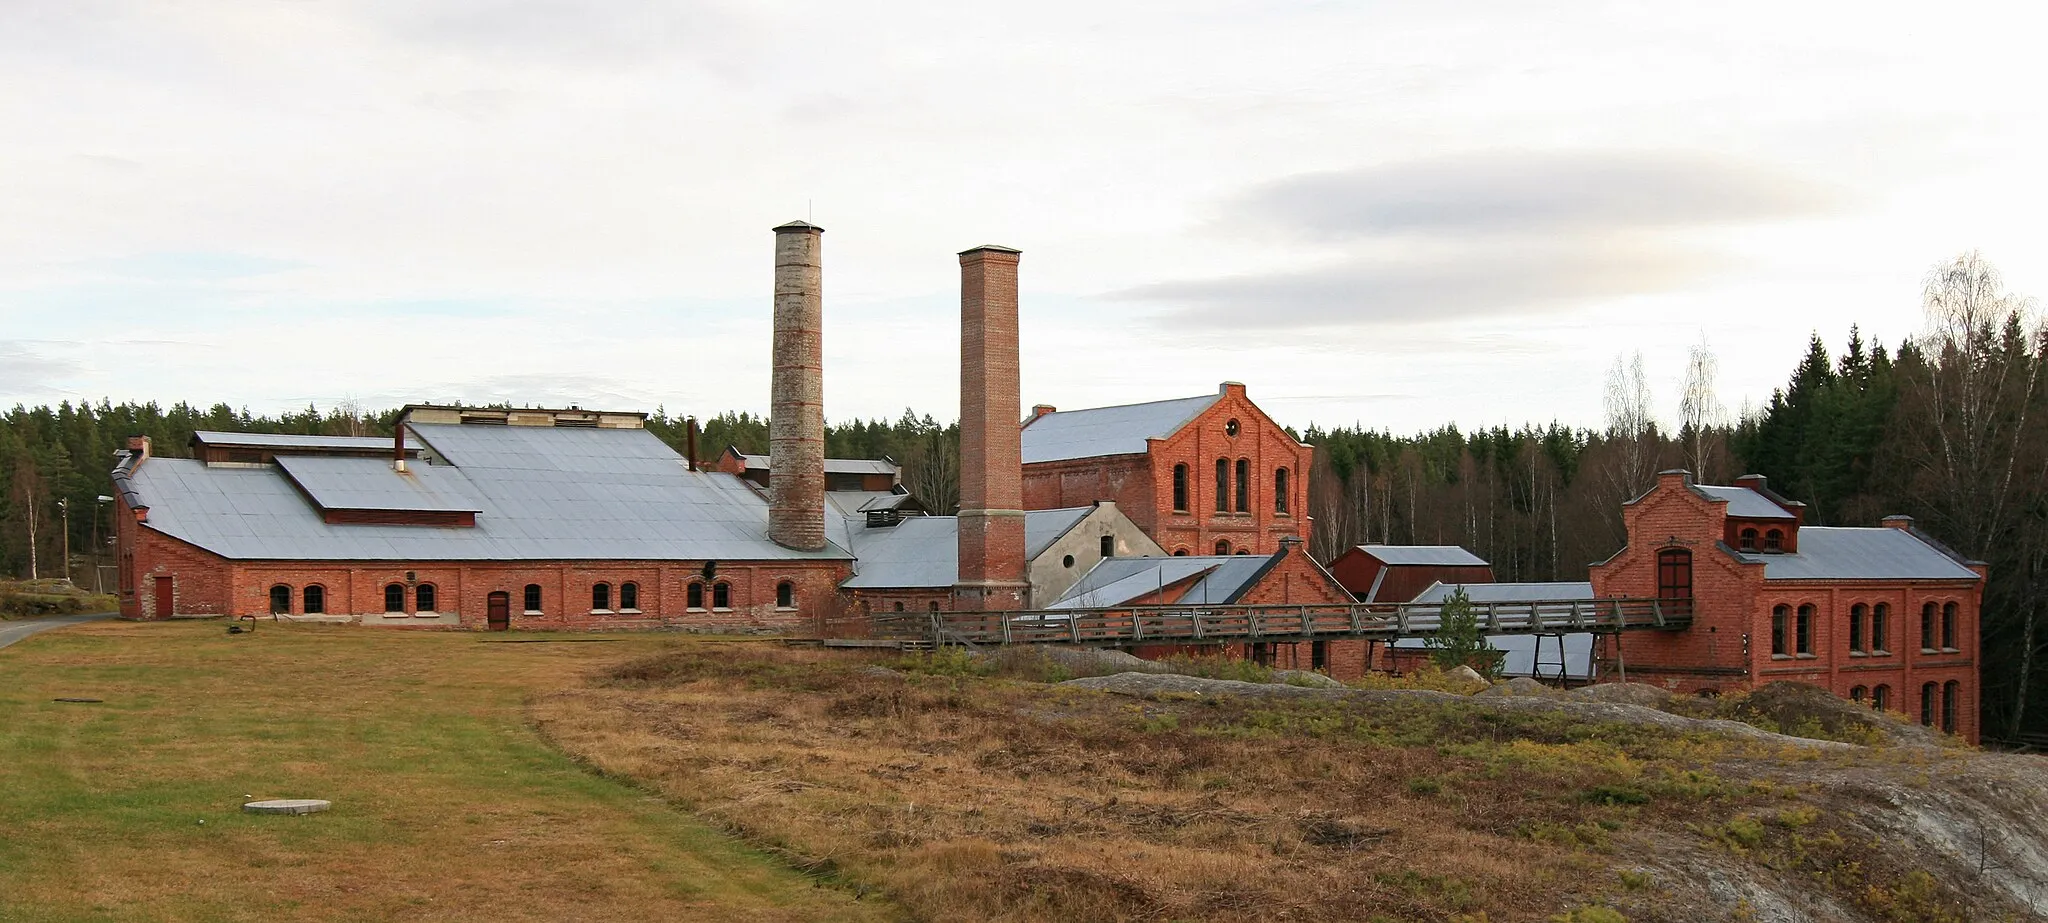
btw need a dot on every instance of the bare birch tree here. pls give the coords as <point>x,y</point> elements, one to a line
<point>1631,429</point>
<point>1700,412</point>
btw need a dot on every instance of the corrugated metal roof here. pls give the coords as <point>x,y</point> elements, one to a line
<point>1838,553</point>
<point>545,493</point>
<point>1119,430</point>
<point>1430,555</point>
<point>343,483</point>
<point>1509,592</point>
<point>293,441</point>
<point>1520,656</point>
<point>832,465</point>
<point>1520,650</point>
<point>1117,581</point>
<point>924,551</point>
<point>1746,503</point>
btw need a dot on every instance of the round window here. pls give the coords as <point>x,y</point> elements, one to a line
<point>1068,560</point>
<point>1230,428</point>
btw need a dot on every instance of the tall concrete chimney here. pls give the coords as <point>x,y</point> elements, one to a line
<point>992,567</point>
<point>796,415</point>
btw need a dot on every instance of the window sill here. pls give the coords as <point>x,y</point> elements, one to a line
<point>629,612</point>
<point>1803,657</point>
<point>531,612</point>
<point>1951,650</point>
<point>601,612</point>
<point>1929,650</point>
<point>1781,656</point>
<point>1858,654</point>
<point>695,609</point>
<point>426,615</point>
<point>721,608</point>
<point>785,608</point>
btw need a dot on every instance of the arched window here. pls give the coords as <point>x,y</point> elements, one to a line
<point>1858,614</point>
<point>1779,616</point>
<point>1222,546</point>
<point>694,595</point>
<point>314,598</point>
<point>1244,485</point>
<point>1927,627</point>
<point>1774,540</point>
<point>1180,488</point>
<point>425,599</point>
<point>721,596</point>
<point>1856,693</point>
<point>1948,626</point>
<point>1674,580</point>
<point>899,605</point>
<point>1881,629</point>
<point>280,600</point>
<point>935,605</point>
<point>1242,551</point>
<point>1180,552</point>
<point>1881,697</point>
<point>1804,633</point>
<point>394,597</point>
<point>533,597</point>
<point>785,595</point>
<point>601,597</point>
<point>1280,491</point>
<point>1748,539</point>
<point>1108,546</point>
<point>1927,705</point>
<point>1950,692</point>
<point>629,595</point>
<point>1222,485</point>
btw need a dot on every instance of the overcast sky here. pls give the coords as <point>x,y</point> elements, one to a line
<point>1396,214</point>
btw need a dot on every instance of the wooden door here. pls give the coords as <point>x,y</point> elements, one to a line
<point>498,615</point>
<point>163,597</point>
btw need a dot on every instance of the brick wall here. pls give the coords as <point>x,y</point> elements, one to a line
<point>1143,484</point>
<point>1729,646</point>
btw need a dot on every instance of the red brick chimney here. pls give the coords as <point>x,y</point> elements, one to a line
<point>991,445</point>
<point>796,415</point>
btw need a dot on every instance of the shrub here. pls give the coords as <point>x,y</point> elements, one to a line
<point>1458,641</point>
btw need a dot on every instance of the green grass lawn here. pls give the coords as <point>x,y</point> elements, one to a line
<point>447,804</point>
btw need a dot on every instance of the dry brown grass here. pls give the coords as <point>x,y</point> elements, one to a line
<point>967,798</point>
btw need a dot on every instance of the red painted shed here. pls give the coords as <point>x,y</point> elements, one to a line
<point>1396,573</point>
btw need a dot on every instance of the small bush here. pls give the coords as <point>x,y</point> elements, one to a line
<point>1614,794</point>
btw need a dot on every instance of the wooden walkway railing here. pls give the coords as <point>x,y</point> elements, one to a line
<point>1212,624</point>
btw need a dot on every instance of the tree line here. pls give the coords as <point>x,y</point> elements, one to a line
<point>1950,427</point>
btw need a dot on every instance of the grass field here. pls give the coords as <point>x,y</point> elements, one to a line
<point>447,804</point>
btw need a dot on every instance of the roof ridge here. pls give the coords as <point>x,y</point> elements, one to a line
<point>1164,400</point>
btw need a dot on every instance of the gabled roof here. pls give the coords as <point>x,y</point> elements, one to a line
<point>1117,581</point>
<point>1839,553</point>
<point>541,493</point>
<point>1744,503</point>
<point>923,552</point>
<point>1100,431</point>
<point>1509,592</point>
<point>1424,555</point>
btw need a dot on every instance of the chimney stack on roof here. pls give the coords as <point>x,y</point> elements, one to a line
<point>796,415</point>
<point>992,566</point>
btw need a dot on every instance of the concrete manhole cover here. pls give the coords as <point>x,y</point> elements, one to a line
<point>288,806</point>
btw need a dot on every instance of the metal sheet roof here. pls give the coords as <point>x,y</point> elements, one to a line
<point>1521,657</point>
<point>1119,430</point>
<point>545,493</point>
<point>342,483</point>
<point>1746,503</point>
<point>1117,581</point>
<point>924,551</point>
<point>1837,553</point>
<point>832,465</point>
<point>1431,555</point>
<point>293,441</point>
<point>1509,592</point>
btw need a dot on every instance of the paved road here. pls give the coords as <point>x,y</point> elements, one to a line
<point>11,632</point>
